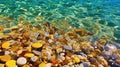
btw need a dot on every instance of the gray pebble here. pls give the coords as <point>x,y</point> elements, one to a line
<point>85,64</point>
<point>36,52</point>
<point>34,58</point>
<point>67,47</point>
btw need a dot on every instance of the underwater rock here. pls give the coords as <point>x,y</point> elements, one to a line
<point>67,47</point>
<point>21,61</point>
<point>110,47</point>
<point>85,64</point>
<point>34,58</point>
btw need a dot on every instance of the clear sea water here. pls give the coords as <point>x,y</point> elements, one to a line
<point>101,17</point>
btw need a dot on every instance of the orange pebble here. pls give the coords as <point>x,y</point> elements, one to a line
<point>5,58</point>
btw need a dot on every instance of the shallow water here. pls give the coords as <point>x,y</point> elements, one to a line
<point>101,17</point>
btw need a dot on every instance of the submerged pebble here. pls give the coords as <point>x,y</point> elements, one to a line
<point>6,45</point>
<point>67,47</point>
<point>2,65</point>
<point>30,47</point>
<point>37,45</point>
<point>85,64</point>
<point>34,58</point>
<point>29,55</point>
<point>11,63</point>
<point>5,58</point>
<point>21,61</point>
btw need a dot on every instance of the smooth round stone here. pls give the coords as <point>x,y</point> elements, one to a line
<point>37,45</point>
<point>93,60</point>
<point>42,64</point>
<point>29,55</point>
<point>34,58</point>
<point>83,54</point>
<point>113,64</point>
<point>50,40</point>
<point>5,58</point>
<point>48,65</point>
<point>85,64</point>
<point>11,63</point>
<point>110,47</point>
<point>21,61</point>
<point>67,47</point>
<point>106,53</point>
<point>36,52</point>
<point>2,65</point>
<point>7,52</point>
<point>6,45</point>
<point>113,57</point>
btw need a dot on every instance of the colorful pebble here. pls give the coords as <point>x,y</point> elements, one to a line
<point>37,45</point>
<point>42,64</point>
<point>29,55</point>
<point>6,45</point>
<point>11,63</point>
<point>21,61</point>
<point>5,58</point>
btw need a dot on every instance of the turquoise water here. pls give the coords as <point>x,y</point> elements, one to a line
<point>101,17</point>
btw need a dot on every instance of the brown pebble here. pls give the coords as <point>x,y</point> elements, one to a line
<point>92,60</point>
<point>69,53</point>
<point>26,34</point>
<point>65,62</point>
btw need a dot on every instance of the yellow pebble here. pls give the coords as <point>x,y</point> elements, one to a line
<point>29,48</point>
<point>29,55</point>
<point>6,45</point>
<point>42,64</point>
<point>37,45</point>
<point>76,59</point>
<point>51,36</point>
<point>11,63</point>
<point>26,65</point>
<point>1,33</point>
<point>2,65</point>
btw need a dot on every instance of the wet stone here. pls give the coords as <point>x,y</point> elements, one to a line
<point>21,61</point>
<point>29,55</point>
<point>113,57</point>
<point>113,64</point>
<point>93,60</point>
<point>36,52</point>
<point>85,64</point>
<point>7,52</point>
<point>67,47</point>
<point>34,58</point>
<point>5,58</point>
<point>11,63</point>
<point>2,65</point>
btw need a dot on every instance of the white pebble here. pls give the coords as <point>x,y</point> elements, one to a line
<point>34,58</point>
<point>7,52</point>
<point>48,65</point>
<point>21,61</point>
<point>36,52</point>
<point>50,40</point>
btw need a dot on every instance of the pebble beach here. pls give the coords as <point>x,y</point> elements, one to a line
<point>58,34</point>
